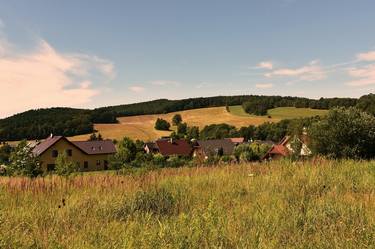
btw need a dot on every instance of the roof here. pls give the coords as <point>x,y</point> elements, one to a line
<point>174,147</point>
<point>87,147</point>
<point>236,140</point>
<point>284,140</point>
<point>47,143</point>
<point>211,147</point>
<point>277,150</point>
<point>151,145</point>
<point>96,147</point>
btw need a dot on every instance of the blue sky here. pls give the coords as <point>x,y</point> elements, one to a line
<point>97,53</point>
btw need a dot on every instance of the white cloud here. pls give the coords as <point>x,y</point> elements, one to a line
<point>264,65</point>
<point>312,72</point>
<point>136,89</point>
<point>367,56</point>
<point>364,76</point>
<point>165,82</point>
<point>264,85</point>
<point>203,85</point>
<point>44,77</point>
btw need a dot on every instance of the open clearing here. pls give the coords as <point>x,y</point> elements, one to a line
<point>322,204</point>
<point>142,126</point>
<point>281,112</point>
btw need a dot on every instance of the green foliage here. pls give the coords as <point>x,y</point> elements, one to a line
<point>64,166</point>
<point>250,152</point>
<point>296,146</point>
<point>175,161</point>
<point>367,103</point>
<point>94,137</point>
<point>23,161</point>
<point>159,160</point>
<point>182,128</point>
<point>345,133</point>
<point>218,131</point>
<point>5,151</point>
<point>162,125</point>
<point>192,132</point>
<point>256,106</point>
<point>126,152</point>
<point>177,119</point>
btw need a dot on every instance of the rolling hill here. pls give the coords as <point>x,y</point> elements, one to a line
<point>142,126</point>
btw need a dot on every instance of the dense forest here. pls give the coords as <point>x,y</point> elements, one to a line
<point>37,124</point>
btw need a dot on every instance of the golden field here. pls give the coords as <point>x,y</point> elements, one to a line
<point>142,127</point>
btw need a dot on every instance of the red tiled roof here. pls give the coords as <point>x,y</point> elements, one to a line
<point>177,147</point>
<point>96,147</point>
<point>279,150</point>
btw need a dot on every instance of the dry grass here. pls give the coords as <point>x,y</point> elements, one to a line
<point>323,204</point>
<point>142,127</point>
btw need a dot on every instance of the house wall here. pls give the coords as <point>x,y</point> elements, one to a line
<point>77,156</point>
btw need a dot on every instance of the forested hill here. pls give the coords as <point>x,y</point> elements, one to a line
<point>38,124</point>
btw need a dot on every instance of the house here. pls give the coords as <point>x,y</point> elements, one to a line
<point>284,148</point>
<point>151,148</point>
<point>173,147</point>
<point>215,147</point>
<point>89,155</point>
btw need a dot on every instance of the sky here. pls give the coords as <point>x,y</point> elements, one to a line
<point>91,53</point>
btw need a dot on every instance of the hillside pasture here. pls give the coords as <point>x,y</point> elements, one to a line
<point>142,126</point>
<point>281,112</point>
<point>319,204</point>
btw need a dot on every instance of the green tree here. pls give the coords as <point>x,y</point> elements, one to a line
<point>162,125</point>
<point>192,132</point>
<point>94,137</point>
<point>182,129</point>
<point>344,133</point>
<point>24,162</point>
<point>367,103</point>
<point>64,166</point>
<point>177,119</point>
<point>5,151</point>
<point>126,152</point>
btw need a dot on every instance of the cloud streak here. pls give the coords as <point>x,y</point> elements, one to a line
<point>264,85</point>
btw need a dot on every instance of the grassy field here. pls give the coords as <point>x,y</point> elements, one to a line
<point>142,127</point>
<point>281,112</point>
<point>323,204</point>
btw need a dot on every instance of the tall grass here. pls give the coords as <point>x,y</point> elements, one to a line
<point>322,204</point>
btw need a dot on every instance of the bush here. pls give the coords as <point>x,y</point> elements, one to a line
<point>344,133</point>
<point>64,166</point>
<point>24,162</point>
<point>162,125</point>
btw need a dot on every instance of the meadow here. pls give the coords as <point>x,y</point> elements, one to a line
<point>281,112</point>
<point>142,126</point>
<point>317,204</point>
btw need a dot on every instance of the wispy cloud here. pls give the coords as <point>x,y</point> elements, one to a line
<point>364,76</point>
<point>44,77</point>
<point>264,65</point>
<point>165,83</point>
<point>136,89</point>
<point>263,85</point>
<point>311,72</point>
<point>367,56</point>
<point>203,85</point>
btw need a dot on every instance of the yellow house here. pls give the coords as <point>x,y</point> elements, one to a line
<point>89,155</point>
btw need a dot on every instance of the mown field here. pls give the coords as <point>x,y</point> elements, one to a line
<point>142,127</point>
<point>322,204</point>
<point>281,112</point>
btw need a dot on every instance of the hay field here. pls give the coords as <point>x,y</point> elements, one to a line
<point>142,126</point>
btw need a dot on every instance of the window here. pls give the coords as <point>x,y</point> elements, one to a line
<point>69,152</point>
<point>85,164</point>
<point>50,167</point>
<point>105,164</point>
<point>98,162</point>
<point>55,153</point>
